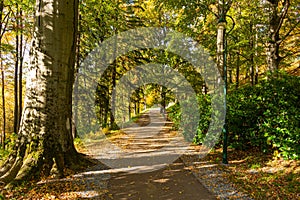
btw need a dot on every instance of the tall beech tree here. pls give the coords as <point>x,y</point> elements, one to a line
<point>45,135</point>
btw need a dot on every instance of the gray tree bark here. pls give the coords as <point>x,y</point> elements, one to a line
<point>45,135</point>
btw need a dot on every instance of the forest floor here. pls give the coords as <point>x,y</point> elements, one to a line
<point>148,160</point>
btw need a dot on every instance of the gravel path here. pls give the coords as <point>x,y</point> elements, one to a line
<point>152,162</point>
<point>211,177</point>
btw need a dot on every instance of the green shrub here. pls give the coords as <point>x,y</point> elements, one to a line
<point>175,115</point>
<point>205,117</point>
<point>266,115</point>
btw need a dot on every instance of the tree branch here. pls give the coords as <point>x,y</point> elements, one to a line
<point>288,33</point>
<point>286,4</point>
<point>5,25</point>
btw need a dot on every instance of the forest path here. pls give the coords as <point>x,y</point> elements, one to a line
<point>145,164</point>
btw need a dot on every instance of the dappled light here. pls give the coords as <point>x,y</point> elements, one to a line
<point>156,99</point>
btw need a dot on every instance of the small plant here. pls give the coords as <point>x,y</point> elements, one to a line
<point>105,130</point>
<point>78,143</point>
<point>255,166</point>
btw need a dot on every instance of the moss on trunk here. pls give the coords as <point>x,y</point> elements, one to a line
<point>45,135</point>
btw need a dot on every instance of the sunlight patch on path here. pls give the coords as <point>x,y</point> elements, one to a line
<point>148,147</point>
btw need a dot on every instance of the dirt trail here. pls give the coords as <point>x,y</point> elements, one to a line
<point>145,164</point>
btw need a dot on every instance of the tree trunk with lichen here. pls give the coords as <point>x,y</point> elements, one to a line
<point>45,135</point>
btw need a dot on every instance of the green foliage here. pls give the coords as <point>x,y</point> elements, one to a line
<point>174,114</point>
<point>3,154</point>
<point>78,142</point>
<point>204,101</point>
<point>205,117</point>
<point>10,143</point>
<point>267,115</point>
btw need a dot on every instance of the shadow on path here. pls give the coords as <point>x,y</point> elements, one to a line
<point>170,183</point>
<point>145,164</point>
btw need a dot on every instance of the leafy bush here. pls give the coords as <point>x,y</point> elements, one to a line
<point>175,115</point>
<point>267,115</point>
<point>205,118</point>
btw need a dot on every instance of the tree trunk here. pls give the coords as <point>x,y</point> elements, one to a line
<point>163,99</point>
<point>45,133</point>
<point>75,118</point>
<point>256,55</point>
<point>129,111</point>
<point>237,76</point>
<point>221,30</point>
<point>230,68</point>
<point>273,58</point>
<point>251,56</point>
<point>21,70</point>
<point>220,47</point>
<point>113,93</point>
<point>16,105</point>
<point>3,136</point>
<point>275,23</point>
<point>113,98</point>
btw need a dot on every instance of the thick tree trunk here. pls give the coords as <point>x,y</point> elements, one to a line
<point>273,58</point>
<point>45,134</point>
